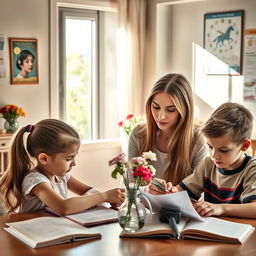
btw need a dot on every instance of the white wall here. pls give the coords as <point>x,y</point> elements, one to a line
<point>92,164</point>
<point>27,19</point>
<point>182,25</point>
<point>30,19</point>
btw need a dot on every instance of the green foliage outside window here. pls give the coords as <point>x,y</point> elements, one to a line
<point>78,94</point>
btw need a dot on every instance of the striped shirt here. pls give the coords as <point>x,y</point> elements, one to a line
<point>222,186</point>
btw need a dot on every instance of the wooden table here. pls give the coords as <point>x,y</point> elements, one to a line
<point>111,245</point>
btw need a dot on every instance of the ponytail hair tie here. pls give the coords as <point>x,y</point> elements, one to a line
<point>29,128</point>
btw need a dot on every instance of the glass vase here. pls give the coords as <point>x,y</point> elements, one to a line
<point>132,213</point>
<point>11,125</point>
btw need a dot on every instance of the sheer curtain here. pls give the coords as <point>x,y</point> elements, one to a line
<point>131,50</point>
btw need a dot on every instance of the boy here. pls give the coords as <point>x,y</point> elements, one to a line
<point>228,176</point>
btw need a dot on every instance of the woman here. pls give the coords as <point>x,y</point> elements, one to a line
<point>25,63</point>
<point>169,132</point>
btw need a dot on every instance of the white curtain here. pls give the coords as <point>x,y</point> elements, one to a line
<point>131,50</point>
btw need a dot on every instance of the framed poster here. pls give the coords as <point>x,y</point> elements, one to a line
<point>250,65</point>
<point>223,38</point>
<point>23,61</point>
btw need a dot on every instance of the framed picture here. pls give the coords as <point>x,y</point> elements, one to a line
<point>223,38</point>
<point>23,61</point>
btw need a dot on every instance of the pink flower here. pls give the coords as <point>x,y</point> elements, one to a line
<point>142,172</point>
<point>120,124</point>
<point>137,160</point>
<point>117,159</point>
<point>129,116</point>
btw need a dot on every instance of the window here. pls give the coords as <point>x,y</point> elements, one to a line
<point>87,66</point>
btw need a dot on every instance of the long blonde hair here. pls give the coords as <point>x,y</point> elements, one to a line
<point>45,136</point>
<point>180,143</point>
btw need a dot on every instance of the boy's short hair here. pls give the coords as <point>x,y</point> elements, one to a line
<point>229,117</point>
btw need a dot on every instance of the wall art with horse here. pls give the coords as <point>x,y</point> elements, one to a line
<point>223,37</point>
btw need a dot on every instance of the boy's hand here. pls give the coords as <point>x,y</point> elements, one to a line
<point>115,196</point>
<point>208,209</point>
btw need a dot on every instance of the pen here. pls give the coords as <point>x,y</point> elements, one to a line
<point>159,185</point>
<point>173,217</point>
<point>174,228</point>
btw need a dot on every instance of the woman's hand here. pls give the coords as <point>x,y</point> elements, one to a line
<point>155,190</point>
<point>208,209</point>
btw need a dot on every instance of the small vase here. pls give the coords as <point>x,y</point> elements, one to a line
<point>11,125</point>
<point>132,213</point>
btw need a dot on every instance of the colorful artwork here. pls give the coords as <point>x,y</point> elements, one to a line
<point>250,65</point>
<point>223,38</point>
<point>23,61</point>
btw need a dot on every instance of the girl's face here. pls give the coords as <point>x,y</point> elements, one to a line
<point>164,111</point>
<point>62,163</point>
<point>224,152</point>
<point>28,64</point>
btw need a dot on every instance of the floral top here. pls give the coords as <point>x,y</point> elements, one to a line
<point>33,178</point>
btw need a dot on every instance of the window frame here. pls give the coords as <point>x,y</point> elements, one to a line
<point>97,5</point>
<point>64,13</point>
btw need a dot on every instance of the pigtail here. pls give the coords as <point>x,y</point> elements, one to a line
<point>19,163</point>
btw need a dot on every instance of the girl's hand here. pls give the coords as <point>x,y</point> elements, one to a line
<point>208,209</point>
<point>115,206</point>
<point>115,196</point>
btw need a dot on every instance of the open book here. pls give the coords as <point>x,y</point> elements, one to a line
<point>211,229</point>
<point>47,231</point>
<point>91,217</point>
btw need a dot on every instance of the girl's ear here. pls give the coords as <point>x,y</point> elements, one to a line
<point>43,158</point>
<point>245,144</point>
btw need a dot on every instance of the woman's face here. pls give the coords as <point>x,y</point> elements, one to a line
<point>28,64</point>
<point>164,111</point>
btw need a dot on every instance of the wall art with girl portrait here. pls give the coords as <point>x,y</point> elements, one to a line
<point>23,61</point>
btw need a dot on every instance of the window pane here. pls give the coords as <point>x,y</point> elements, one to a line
<point>79,77</point>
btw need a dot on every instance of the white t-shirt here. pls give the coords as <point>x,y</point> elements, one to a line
<point>33,178</point>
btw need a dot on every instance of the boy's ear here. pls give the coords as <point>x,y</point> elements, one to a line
<point>245,144</point>
<point>42,158</point>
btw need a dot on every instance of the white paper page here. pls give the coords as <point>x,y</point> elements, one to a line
<point>48,228</point>
<point>221,227</point>
<point>178,200</point>
<point>152,223</point>
<point>97,214</point>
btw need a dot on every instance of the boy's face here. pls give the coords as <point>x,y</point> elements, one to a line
<point>224,152</point>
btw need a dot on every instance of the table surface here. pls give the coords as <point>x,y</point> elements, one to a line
<point>110,243</point>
